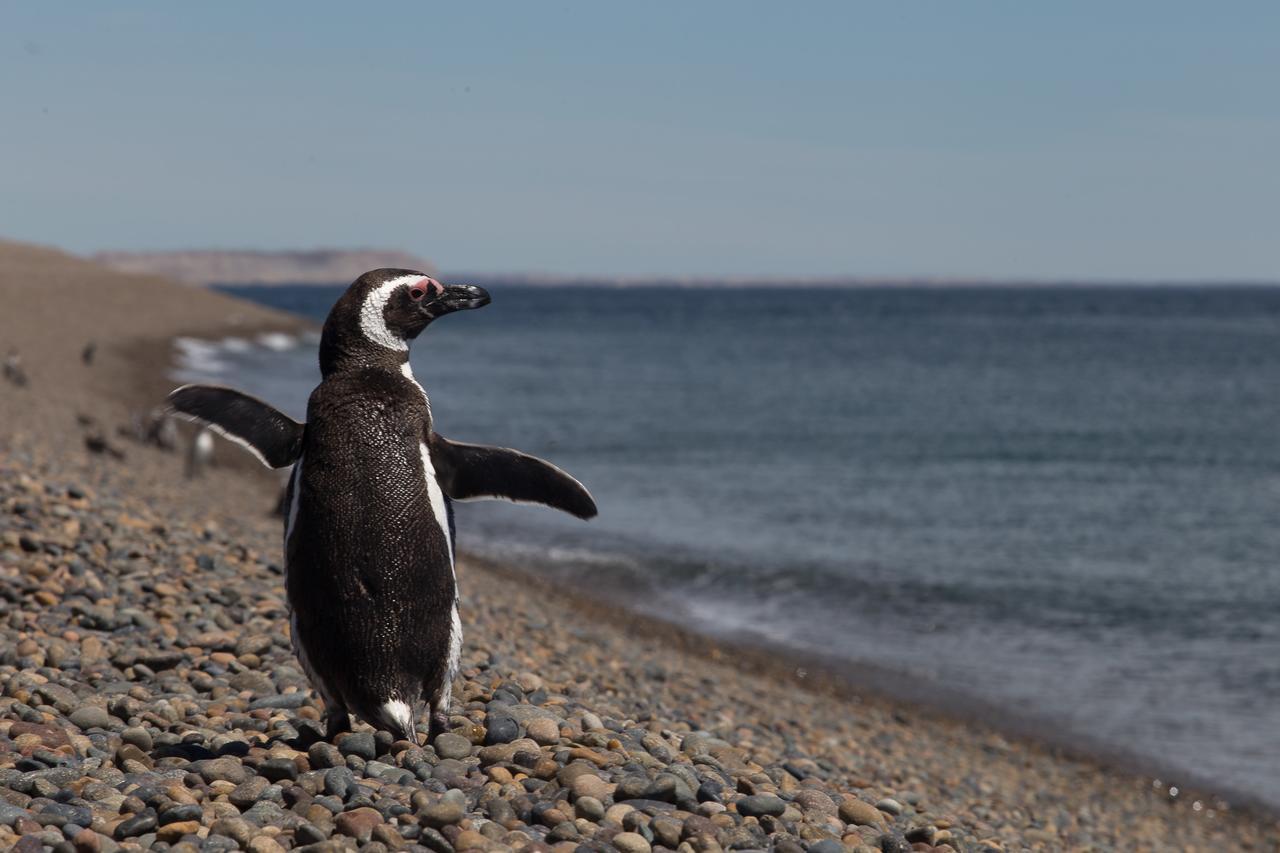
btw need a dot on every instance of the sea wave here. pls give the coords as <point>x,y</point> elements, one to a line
<point>200,356</point>
<point>277,341</point>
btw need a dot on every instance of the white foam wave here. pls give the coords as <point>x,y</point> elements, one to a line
<point>277,341</point>
<point>198,356</point>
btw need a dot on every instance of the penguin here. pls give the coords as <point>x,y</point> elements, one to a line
<point>156,428</point>
<point>368,532</point>
<point>199,453</point>
<point>162,431</point>
<point>13,369</point>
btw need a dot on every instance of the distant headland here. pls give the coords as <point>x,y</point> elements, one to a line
<point>339,266</point>
<point>212,266</point>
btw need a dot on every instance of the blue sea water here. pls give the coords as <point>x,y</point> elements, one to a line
<point>1058,501</point>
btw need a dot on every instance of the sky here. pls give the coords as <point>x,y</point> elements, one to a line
<point>1079,140</point>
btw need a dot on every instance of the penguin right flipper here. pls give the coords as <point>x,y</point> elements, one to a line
<point>467,471</point>
<point>275,438</point>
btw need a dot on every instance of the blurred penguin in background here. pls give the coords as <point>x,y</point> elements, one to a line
<point>13,370</point>
<point>199,453</point>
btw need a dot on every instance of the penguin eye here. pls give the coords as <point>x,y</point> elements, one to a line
<point>416,293</point>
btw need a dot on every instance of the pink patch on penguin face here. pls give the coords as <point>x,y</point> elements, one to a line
<point>419,289</point>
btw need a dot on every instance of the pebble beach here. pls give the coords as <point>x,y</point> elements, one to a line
<point>149,697</point>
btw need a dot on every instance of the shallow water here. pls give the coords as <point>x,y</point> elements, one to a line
<point>1058,501</point>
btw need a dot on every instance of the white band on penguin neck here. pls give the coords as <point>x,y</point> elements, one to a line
<point>373,321</point>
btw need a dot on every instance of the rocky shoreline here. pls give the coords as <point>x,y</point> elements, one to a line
<point>149,698</point>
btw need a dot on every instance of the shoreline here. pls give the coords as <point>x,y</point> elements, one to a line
<point>899,694</point>
<point>134,375</point>
<point>834,677</point>
<point>866,682</point>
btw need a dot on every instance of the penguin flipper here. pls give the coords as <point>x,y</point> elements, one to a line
<point>275,438</point>
<point>470,471</point>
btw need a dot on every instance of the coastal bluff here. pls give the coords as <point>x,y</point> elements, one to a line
<point>212,266</point>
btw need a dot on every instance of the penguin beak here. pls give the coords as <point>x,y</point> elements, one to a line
<point>460,297</point>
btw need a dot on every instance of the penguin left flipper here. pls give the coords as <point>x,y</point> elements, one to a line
<point>469,471</point>
<point>272,436</point>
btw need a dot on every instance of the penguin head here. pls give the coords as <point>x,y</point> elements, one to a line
<point>383,310</point>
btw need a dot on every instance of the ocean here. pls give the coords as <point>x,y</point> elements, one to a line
<point>1054,505</point>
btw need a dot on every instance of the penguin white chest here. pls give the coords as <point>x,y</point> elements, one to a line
<point>435,496</point>
<point>440,509</point>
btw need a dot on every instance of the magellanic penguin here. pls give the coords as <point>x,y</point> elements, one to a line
<point>369,539</point>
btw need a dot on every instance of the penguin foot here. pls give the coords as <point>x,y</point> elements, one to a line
<point>335,723</point>
<point>438,725</point>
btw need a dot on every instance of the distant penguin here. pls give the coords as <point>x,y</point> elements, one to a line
<point>96,442</point>
<point>162,431</point>
<point>13,369</point>
<point>369,538</point>
<point>155,428</point>
<point>199,453</point>
<point>89,351</point>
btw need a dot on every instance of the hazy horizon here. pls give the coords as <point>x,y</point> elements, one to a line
<point>552,277</point>
<point>1089,142</point>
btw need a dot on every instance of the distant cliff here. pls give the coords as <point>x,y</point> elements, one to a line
<point>318,266</point>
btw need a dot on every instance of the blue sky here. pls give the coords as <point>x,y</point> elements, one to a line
<point>1080,140</point>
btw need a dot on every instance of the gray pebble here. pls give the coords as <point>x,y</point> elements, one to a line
<point>760,805</point>
<point>332,803</point>
<point>288,701</point>
<point>264,813</point>
<point>323,755</point>
<point>90,716</point>
<point>182,812</point>
<point>235,828</point>
<point>826,845</point>
<point>443,813</point>
<point>500,728</point>
<point>139,824</point>
<point>138,736</point>
<point>10,813</point>
<point>278,769</point>
<point>449,745</point>
<point>893,843</point>
<point>387,772</point>
<point>360,744</point>
<point>247,793</point>
<point>225,769</point>
<point>589,808</point>
<point>61,814</point>
<point>309,833</point>
<point>451,772</point>
<point>889,806</point>
<point>338,782</point>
